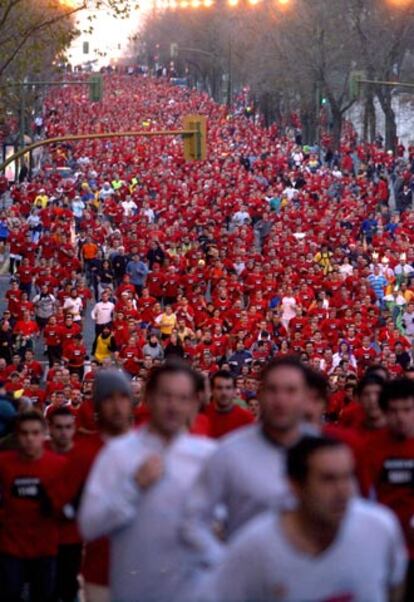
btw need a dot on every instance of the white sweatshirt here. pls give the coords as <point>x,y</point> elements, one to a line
<point>102,312</point>
<point>367,558</point>
<point>244,477</point>
<point>148,560</point>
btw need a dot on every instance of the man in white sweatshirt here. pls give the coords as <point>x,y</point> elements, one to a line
<point>102,313</point>
<point>137,488</point>
<point>331,546</point>
<point>246,474</point>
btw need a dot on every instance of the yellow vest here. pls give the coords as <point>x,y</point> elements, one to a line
<point>102,348</point>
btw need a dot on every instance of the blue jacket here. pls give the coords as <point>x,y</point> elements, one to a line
<point>137,271</point>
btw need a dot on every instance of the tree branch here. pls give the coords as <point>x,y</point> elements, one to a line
<point>35,29</point>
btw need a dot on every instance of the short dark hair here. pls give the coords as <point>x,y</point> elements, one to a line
<point>318,382</point>
<point>62,411</point>
<point>371,379</point>
<point>284,362</point>
<point>401,388</point>
<point>170,367</point>
<point>298,456</point>
<point>374,369</point>
<point>28,416</point>
<point>223,374</point>
<point>200,382</point>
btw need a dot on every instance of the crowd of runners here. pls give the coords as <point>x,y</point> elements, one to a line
<point>268,290</point>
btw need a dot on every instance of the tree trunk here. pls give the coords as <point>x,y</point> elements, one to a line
<point>365,120</point>
<point>390,129</point>
<point>385,99</point>
<point>264,107</point>
<point>309,126</point>
<point>372,122</point>
<point>337,119</point>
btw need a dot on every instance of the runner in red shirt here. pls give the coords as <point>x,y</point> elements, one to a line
<point>114,413</point>
<point>75,354</point>
<point>365,415</point>
<point>53,340</point>
<point>68,331</point>
<point>62,428</point>
<point>389,462</point>
<point>29,533</point>
<point>223,413</point>
<point>13,296</point>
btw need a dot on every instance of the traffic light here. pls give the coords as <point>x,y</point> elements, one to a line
<point>355,84</point>
<point>195,145</point>
<point>95,87</point>
<point>86,48</point>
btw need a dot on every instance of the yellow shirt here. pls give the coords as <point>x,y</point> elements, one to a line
<point>102,348</point>
<point>41,201</point>
<point>167,323</point>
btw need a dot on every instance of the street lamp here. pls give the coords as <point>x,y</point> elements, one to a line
<point>401,3</point>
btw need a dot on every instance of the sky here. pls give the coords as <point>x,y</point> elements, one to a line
<point>110,35</point>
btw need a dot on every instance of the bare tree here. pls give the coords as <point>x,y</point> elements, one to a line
<point>294,58</point>
<point>385,35</point>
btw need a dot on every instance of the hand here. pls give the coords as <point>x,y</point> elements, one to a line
<point>149,472</point>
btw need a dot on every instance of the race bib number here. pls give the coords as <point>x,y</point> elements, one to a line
<point>398,471</point>
<point>26,488</point>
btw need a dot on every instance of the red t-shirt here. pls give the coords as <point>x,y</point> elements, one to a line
<point>67,490</point>
<point>75,354</point>
<point>201,426</point>
<point>27,530</point>
<point>68,529</point>
<point>222,423</point>
<point>26,329</point>
<point>388,471</point>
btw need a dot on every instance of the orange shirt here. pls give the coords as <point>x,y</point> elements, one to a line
<point>89,250</point>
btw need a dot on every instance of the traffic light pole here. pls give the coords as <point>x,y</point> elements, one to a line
<point>195,134</point>
<point>385,83</point>
<point>357,79</point>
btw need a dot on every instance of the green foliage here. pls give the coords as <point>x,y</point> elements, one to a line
<point>34,35</point>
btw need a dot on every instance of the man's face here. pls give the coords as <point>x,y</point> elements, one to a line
<point>400,417</point>
<point>315,407</point>
<point>283,398</point>
<point>31,437</point>
<point>172,403</point>
<point>60,398</point>
<point>369,400</point>
<point>329,486</point>
<point>62,430</point>
<point>115,414</point>
<point>223,392</point>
